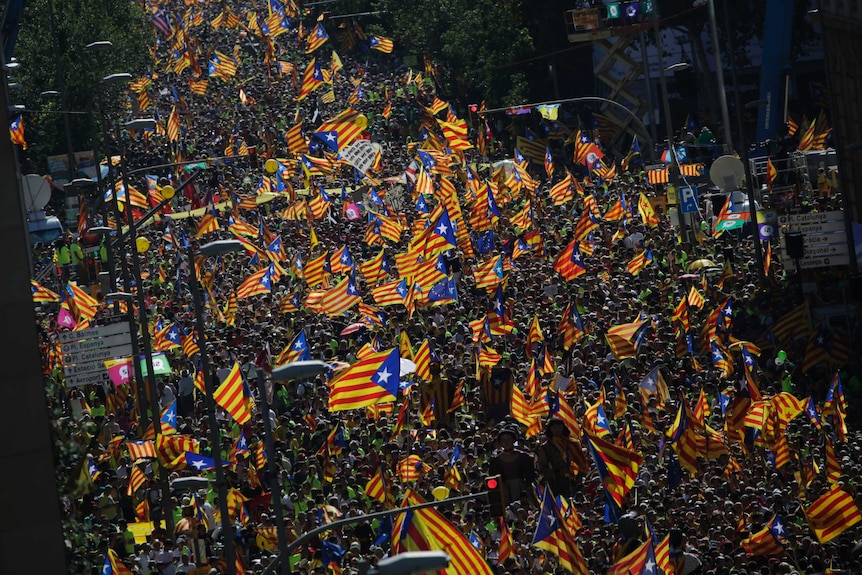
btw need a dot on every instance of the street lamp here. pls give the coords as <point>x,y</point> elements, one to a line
<point>673,169</point>
<point>678,67</point>
<point>409,563</point>
<point>207,250</point>
<point>99,45</point>
<point>117,78</point>
<point>288,372</point>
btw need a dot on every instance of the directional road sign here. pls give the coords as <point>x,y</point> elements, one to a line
<point>85,351</point>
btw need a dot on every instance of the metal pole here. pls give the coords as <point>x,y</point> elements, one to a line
<point>274,483</point>
<point>212,421</point>
<point>752,211</point>
<point>648,85</point>
<point>302,539</point>
<point>673,169</point>
<point>143,404</point>
<point>155,407</point>
<point>719,74</point>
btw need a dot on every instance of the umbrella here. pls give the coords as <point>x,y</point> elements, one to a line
<point>407,367</point>
<point>697,264</point>
<point>689,277</point>
<point>352,328</point>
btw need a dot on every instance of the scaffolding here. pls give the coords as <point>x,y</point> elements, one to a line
<point>612,31</point>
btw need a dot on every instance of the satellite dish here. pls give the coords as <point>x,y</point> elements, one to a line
<point>727,172</point>
<point>37,192</point>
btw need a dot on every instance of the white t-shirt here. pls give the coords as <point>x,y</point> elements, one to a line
<point>185,568</point>
<point>165,558</point>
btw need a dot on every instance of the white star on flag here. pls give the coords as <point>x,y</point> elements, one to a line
<point>383,376</point>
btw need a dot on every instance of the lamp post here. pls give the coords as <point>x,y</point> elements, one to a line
<point>155,407</point>
<point>212,249</point>
<point>128,298</point>
<point>752,206</point>
<point>719,74</point>
<point>288,372</point>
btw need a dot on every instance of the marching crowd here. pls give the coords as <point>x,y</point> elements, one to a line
<point>534,333</point>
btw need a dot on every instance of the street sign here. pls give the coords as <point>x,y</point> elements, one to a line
<point>98,354</point>
<point>824,239</point>
<point>95,332</point>
<point>85,351</point>
<point>688,199</point>
<point>817,262</point>
<point>823,228</point>
<point>819,239</point>
<point>87,379</point>
<point>811,218</point>
<point>83,345</point>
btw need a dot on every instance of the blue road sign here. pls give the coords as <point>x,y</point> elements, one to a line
<point>688,199</point>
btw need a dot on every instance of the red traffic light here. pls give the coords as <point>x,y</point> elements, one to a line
<point>491,483</point>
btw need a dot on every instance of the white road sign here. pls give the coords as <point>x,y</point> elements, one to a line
<point>85,352</point>
<point>87,379</point>
<point>93,333</point>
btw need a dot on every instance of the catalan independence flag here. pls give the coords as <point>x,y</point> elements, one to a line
<point>316,38</point>
<point>553,535</point>
<point>231,396</point>
<point>41,294</point>
<point>771,540</point>
<point>617,466</point>
<point>425,529</point>
<point>340,131</point>
<point>16,132</point>
<point>340,298</point>
<point>369,381</point>
<point>381,44</point>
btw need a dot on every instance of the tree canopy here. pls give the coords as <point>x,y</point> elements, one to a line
<point>75,24</point>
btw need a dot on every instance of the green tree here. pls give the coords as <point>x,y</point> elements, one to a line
<point>53,56</point>
<point>473,40</point>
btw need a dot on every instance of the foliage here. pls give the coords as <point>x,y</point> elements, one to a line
<point>473,40</point>
<point>75,24</point>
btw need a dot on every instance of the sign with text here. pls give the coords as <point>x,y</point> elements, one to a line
<point>361,154</point>
<point>824,239</point>
<point>85,351</point>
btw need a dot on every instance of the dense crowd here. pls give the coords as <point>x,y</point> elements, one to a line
<point>549,334</point>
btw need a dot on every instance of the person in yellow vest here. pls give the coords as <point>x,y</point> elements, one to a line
<point>128,538</point>
<point>79,261</point>
<point>63,257</point>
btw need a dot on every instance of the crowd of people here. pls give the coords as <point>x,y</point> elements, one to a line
<point>531,334</point>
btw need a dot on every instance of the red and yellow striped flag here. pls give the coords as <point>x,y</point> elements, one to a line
<point>832,514</point>
<point>231,397</point>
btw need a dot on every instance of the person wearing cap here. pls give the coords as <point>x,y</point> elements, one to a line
<point>515,467</point>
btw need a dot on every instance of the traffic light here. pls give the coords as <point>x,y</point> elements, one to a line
<point>252,156</point>
<point>496,496</point>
